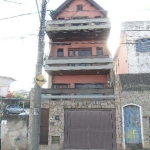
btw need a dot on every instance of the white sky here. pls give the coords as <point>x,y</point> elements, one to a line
<point>18,36</point>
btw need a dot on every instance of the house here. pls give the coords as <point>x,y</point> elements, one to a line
<point>5,85</point>
<point>132,68</point>
<point>133,54</point>
<point>78,109</point>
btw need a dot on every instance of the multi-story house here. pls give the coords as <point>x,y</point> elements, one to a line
<point>81,112</point>
<point>133,54</point>
<point>5,85</point>
<point>132,68</point>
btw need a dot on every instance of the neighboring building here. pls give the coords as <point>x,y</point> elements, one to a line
<point>5,85</point>
<point>79,110</point>
<point>133,54</point>
<point>133,94</point>
<point>132,68</point>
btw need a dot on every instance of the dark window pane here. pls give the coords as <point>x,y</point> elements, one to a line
<point>82,64</point>
<point>76,64</point>
<point>88,85</point>
<point>61,86</point>
<point>88,64</point>
<point>71,53</point>
<point>60,52</point>
<point>143,45</point>
<point>79,7</point>
<point>97,16</point>
<point>88,52</point>
<point>61,25</point>
<point>82,53</point>
<point>99,51</point>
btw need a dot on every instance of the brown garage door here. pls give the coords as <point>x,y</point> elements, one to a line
<point>90,129</point>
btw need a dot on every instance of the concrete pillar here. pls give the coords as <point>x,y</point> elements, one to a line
<point>50,82</point>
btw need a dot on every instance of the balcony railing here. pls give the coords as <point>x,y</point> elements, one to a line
<point>79,57</point>
<point>79,91</point>
<point>101,93</point>
<point>79,60</point>
<point>77,24</point>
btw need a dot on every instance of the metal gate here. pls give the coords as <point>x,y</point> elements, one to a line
<point>132,125</point>
<point>90,129</point>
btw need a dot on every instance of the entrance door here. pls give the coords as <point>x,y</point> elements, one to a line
<point>90,129</point>
<point>132,125</point>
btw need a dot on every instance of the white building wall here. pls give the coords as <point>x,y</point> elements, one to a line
<point>5,85</point>
<point>138,62</point>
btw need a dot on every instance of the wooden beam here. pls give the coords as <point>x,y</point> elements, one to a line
<point>78,91</point>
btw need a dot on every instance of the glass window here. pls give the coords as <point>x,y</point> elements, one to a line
<point>88,52</point>
<point>60,52</point>
<point>97,16</point>
<point>76,52</point>
<point>99,51</point>
<point>82,53</point>
<point>143,45</point>
<point>82,64</point>
<point>88,64</point>
<point>71,53</point>
<point>79,7</point>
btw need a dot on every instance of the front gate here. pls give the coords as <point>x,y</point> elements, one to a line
<point>90,129</point>
<point>132,125</point>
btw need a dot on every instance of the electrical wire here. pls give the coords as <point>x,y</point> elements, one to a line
<point>19,15</point>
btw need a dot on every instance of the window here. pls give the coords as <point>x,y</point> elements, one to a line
<point>60,53</point>
<point>76,53</point>
<point>97,16</point>
<point>61,86</point>
<point>71,53</point>
<point>89,85</point>
<point>79,7</point>
<point>99,51</point>
<point>143,45</point>
<point>80,52</point>
<point>88,52</point>
<point>61,25</point>
<point>60,18</point>
<point>97,23</point>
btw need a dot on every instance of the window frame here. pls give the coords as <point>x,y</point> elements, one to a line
<point>79,52</point>
<point>99,48</point>
<point>58,52</point>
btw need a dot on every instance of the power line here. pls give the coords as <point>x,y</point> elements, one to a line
<point>12,2</point>
<point>20,15</point>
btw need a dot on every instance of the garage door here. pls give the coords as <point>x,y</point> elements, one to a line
<point>90,129</point>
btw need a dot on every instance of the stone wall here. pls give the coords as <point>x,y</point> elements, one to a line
<point>134,89</point>
<point>134,30</point>
<point>56,108</point>
<point>14,132</point>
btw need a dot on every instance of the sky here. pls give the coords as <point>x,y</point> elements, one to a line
<point>19,36</point>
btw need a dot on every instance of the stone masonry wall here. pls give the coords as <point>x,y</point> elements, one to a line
<point>56,108</point>
<point>134,89</point>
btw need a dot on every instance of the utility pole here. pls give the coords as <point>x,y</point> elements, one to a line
<point>35,133</point>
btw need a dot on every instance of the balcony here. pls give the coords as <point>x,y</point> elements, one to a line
<point>77,24</point>
<point>73,93</point>
<point>95,29</point>
<point>78,63</point>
